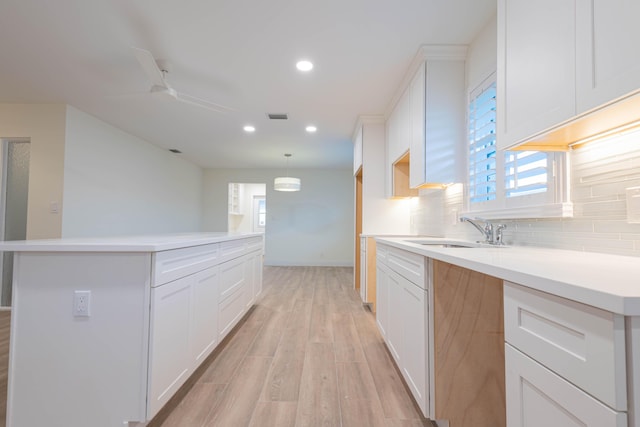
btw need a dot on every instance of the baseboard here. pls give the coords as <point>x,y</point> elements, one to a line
<point>284,263</point>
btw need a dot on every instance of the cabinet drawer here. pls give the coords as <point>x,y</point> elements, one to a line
<point>230,311</point>
<point>408,265</point>
<point>232,249</point>
<point>582,344</point>
<point>381,253</point>
<point>254,244</point>
<point>174,264</point>
<point>538,397</point>
<point>232,276</point>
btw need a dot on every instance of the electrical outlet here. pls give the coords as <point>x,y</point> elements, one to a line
<point>82,303</point>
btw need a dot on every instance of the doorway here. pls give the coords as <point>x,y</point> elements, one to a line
<point>14,192</point>
<point>247,207</point>
<point>259,213</point>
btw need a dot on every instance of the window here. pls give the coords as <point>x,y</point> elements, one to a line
<point>511,184</point>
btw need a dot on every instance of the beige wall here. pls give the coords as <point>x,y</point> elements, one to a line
<point>44,125</point>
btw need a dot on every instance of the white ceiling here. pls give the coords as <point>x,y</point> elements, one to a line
<point>239,53</point>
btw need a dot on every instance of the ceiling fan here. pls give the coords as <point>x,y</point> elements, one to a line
<point>157,70</point>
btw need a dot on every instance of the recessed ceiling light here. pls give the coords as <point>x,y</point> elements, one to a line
<point>304,65</point>
<point>311,129</point>
<point>249,128</point>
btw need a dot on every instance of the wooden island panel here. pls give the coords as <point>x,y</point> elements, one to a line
<point>469,347</point>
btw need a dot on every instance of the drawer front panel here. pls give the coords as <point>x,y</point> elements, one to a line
<point>254,244</point>
<point>174,264</point>
<point>232,249</point>
<point>230,311</point>
<point>381,253</point>
<point>407,264</point>
<point>232,276</point>
<point>538,397</point>
<point>581,343</point>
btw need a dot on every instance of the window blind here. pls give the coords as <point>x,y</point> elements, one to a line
<point>526,173</point>
<point>482,144</point>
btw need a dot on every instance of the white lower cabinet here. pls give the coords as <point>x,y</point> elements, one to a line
<point>232,298</point>
<point>170,356</point>
<point>414,340</point>
<point>253,265</point>
<point>538,397</point>
<point>382,297</point>
<point>204,317</point>
<point>402,317</point>
<point>395,322</point>
<point>565,362</point>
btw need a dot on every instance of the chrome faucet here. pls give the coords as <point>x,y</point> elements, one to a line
<point>487,230</point>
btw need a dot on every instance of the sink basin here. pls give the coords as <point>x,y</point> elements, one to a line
<point>451,243</point>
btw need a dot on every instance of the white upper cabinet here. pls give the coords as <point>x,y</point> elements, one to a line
<point>608,37</point>
<point>437,94</point>
<point>357,151</point>
<point>399,129</point>
<point>417,143</point>
<point>559,63</point>
<point>536,67</point>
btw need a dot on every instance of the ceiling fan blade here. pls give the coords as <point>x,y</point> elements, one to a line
<point>193,100</point>
<point>150,67</point>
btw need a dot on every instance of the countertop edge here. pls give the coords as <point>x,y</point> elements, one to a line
<point>599,297</point>
<point>142,243</point>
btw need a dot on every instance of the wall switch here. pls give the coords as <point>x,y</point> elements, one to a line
<point>81,303</point>
<point>54,208</point>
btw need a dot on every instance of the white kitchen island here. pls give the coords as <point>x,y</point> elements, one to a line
<point>105,331</point>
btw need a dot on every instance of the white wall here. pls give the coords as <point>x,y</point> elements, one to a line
<point>116,183</point>
<point>310,227</point>
<point>44,126</point>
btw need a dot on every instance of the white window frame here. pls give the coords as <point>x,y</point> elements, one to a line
<point>553,203</point>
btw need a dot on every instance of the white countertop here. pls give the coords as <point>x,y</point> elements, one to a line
<point>148,243</point>
<point>609,282</point>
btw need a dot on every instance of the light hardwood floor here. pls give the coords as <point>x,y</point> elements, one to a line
<point>308,354</point>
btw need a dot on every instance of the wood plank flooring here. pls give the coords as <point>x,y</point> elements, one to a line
<point>308,354</point>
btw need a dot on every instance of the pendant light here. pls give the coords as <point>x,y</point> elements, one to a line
<point>286,183</point>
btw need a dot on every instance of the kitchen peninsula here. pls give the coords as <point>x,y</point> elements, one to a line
<point>105,331</point>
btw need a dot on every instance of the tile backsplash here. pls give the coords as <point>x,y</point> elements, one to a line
<point>601,171</point>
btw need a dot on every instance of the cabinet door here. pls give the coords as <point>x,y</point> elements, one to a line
<point>608,63</point>
<point>414,342</point>
<point>253,266</point>
<point>204,316</point>
<point>382,297</point>
<point>444,122</point>
<point>536,67</point>
<point>395,321</point>
<point>538,397</point>
<point>417,169</point>
<point>257,274</point>
<point>170,352</point>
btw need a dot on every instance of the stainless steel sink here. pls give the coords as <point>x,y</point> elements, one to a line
<point>451,243</point>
